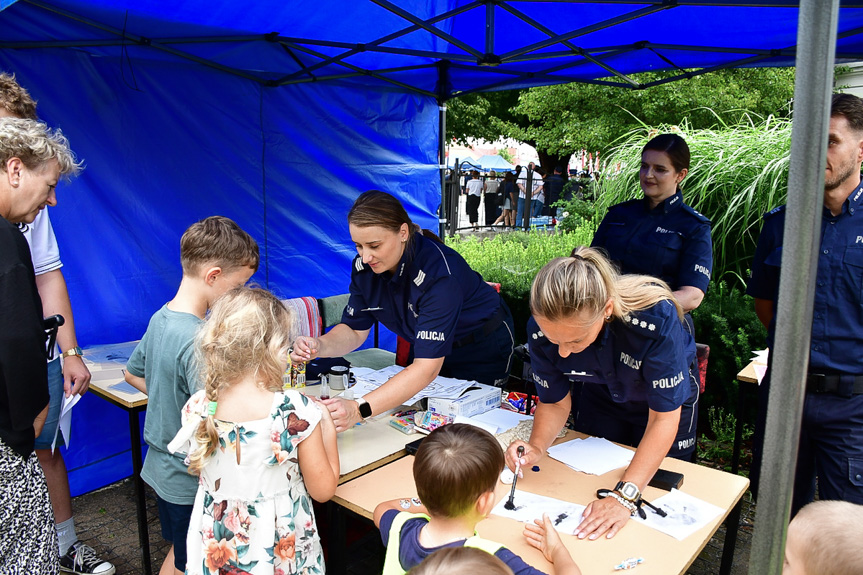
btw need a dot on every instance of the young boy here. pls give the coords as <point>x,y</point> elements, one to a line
<point>461,560</point>
<point>456,470</point>
<point>824,538</point>
<point>216,256</point>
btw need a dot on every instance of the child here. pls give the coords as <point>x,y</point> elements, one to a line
<point>461,560</point>
<point>259,450</point>
<point>216,256</point>
<point>456,470</point>
<point>824,538</point>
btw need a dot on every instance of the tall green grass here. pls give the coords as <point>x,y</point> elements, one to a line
<point>737,173</point>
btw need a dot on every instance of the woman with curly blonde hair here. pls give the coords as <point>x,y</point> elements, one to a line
<point>624,338</point>
<point>260,451</point>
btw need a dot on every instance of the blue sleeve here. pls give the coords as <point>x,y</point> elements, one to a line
<point>599,239</point>
<point>764,281</point>
<point>516,563</point>
<point>696,262</point>
<point>386,524</point>
<point>666,366</point>
<point>353,316</point>
<point>439,310</point>
<point>551,384</point>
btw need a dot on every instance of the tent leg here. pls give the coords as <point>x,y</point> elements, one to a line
<point>442,162</point>
<point>816,46</point>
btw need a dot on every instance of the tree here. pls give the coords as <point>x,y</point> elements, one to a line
<point>559,120</point>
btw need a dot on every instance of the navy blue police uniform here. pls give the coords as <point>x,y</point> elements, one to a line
<point>636,364</point>
<point>435,301</point>
<point>671,242</point>
<point>831,436</point>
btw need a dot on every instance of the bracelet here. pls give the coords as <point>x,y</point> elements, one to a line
<point>632,507</point>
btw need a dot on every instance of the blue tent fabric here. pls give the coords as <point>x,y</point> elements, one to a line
<point>278,114</point>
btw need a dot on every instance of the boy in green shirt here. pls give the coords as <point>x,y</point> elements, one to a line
<point>216,256</point>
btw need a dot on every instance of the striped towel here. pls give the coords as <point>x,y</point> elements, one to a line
<point>307,318</point>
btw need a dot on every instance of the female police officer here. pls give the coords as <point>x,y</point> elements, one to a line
<point>426,293</point>
<point>659,235</point>
<point>624,337</point>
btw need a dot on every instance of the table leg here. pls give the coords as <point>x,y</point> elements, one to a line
<point>738,430</point>
<point>732,524</point>
<point>140,500</point>
<point>337,563</point>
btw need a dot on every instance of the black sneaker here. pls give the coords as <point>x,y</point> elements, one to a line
<point>81,560</point>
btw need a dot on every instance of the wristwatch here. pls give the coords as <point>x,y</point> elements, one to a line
<point>74,351</point>
<point>628,491</point>
<point>365,408</point>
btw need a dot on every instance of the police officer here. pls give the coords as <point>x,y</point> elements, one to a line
<point>831,435</point>
<point>659,235</point>
<point>426,293</point>
<point>624,337</point>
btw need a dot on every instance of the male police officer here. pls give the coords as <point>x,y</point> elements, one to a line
<point>831,436</point>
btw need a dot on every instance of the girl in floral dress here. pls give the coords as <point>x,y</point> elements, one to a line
<point>261,452</point>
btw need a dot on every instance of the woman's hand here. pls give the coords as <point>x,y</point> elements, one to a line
<point>602,517</point>
<point>531,455</point>
<point>344,412</point>
<point>305,349</point>
<point>76,376</point>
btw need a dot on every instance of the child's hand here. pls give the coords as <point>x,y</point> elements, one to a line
<point>305,349</point>
<point>542,535</point>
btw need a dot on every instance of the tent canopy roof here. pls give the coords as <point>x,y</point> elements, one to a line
<point>441,47</point>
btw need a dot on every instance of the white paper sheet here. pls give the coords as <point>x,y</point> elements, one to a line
<point>443,387</point>
<point>529,506</point>
<point>117,353</point>
<point>493,429</point>
<point>65,424</point>
<point>686,514</point>
<point>501,419</point>
<point>593,455</point>
<point>760,358</point>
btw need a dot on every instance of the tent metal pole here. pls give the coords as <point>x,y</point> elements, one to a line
<point>442,219</point>
<point>453,198</point>
<point>816,45</point>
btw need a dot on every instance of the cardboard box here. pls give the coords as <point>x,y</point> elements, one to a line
<point>476,399</point>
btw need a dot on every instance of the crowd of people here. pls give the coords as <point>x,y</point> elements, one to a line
<point>235,460</point>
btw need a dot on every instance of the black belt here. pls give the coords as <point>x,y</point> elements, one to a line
<point>836,383</point>
<point>487,329</point>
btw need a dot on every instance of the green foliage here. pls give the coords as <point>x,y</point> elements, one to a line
<point>719,448</point>
<point>577,214</point>
<point>513,260</point>
<point>726,321</point>
<point>736,174</point>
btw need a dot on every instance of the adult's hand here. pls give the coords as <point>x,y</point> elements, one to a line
<point>602,517</point>
<point>345,412</point>
<point>76,376</point>
<point>532,454</point>
<point>305,349</point>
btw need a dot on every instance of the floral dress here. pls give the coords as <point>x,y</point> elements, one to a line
<point>252,513</point>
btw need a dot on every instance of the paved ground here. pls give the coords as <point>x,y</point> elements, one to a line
<point>106,520</point>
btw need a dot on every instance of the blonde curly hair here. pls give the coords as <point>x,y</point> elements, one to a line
<point>247,332</point>
<point>35,144</point>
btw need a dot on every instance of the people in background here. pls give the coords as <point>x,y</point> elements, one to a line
<point>262,453</point>
<point>407,279</point>
<point>537,198</point>
<point>625,339</point>
<point>659,235</point>
<point>475,188</point>
<point>824,539</point>
<point>554,191</point>
<point>72,377</point>
<point>32,158</point>
<point>491,200</point>
<point>216,256</point>
<point>831,434</point>
<point>456,470</point>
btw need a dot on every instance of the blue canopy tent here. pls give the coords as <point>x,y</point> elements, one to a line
<point>260,111</point>
<point>495,163</point>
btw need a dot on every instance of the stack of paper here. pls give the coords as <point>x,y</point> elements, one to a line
<point>443,387</point>
<point>495,421</point>
<point>759,360</point>
<point>593,455</point>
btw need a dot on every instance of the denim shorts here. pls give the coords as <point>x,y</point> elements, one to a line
<point>55,390</point>
<point>175,526</point>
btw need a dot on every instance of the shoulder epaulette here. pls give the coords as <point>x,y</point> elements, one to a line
<point>359,265</point>
<point>695,213</point>
<point>774,211</point>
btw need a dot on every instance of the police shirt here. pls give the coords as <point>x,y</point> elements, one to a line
<point>837,319</point>
<point>644,358</point>
<point>671,242</point>
<point>432,300</point>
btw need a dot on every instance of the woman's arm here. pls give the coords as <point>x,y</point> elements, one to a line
<point>335,343</point>
<point>689,297</point>
<point>607,516</point>
<point>396,391</point>
<point>548,420</point>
